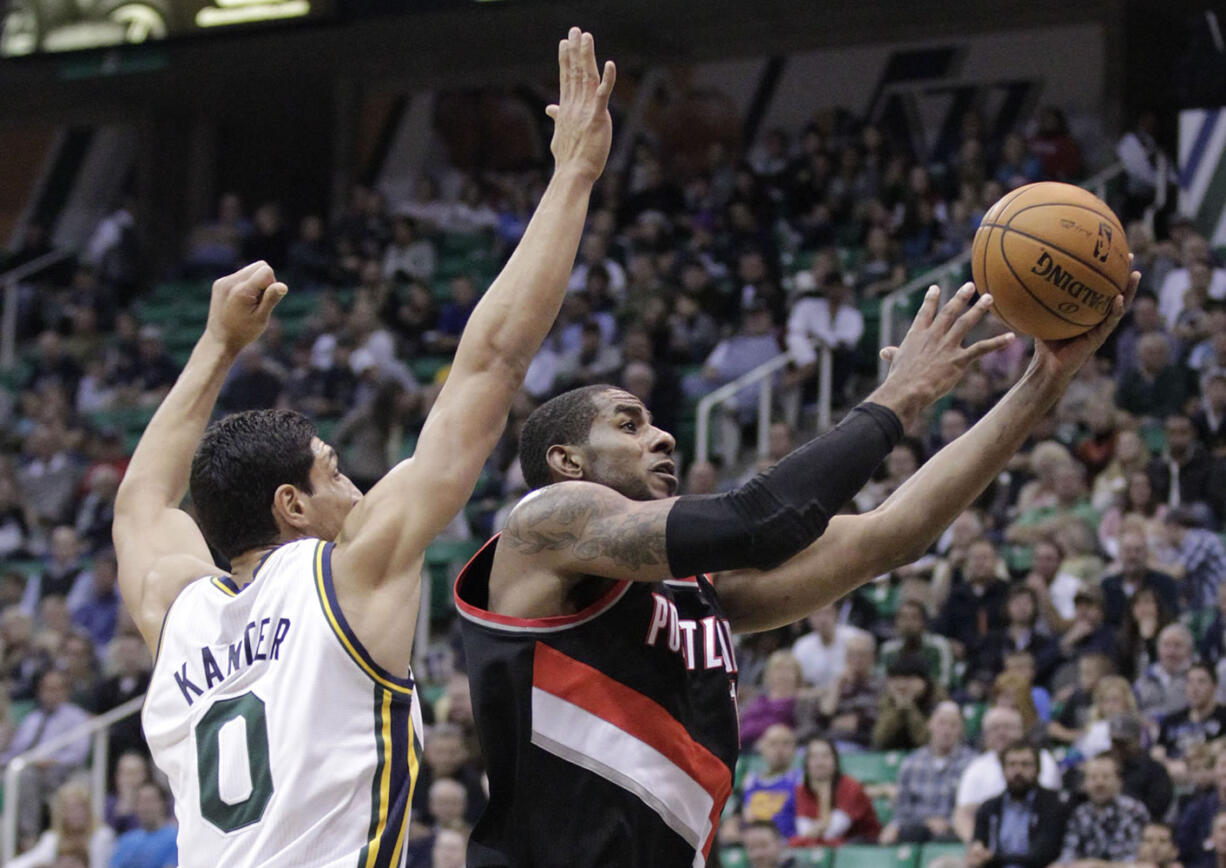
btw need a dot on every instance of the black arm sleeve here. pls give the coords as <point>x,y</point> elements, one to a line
<point>780,512</point>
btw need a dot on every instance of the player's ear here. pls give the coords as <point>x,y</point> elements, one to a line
<point>565,461</point>
<point>289,507</point>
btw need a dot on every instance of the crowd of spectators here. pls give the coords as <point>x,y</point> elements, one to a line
<point>1049,669</point>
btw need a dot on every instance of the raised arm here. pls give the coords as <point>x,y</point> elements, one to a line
<point>576,528</point>
<point>854,549</point>
<point>382,541</point>
<point>159,547</point>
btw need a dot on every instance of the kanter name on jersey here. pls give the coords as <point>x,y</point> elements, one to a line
<point>260,641</point>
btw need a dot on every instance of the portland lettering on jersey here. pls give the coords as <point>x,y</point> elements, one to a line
<point>682,636</point>
<point>261,640</point>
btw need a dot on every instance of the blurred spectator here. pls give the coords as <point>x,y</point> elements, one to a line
<point>822,652</point>
<point>447,801</point>
<point>213,248</point>
<point>975,608</point>
<point>765,846</point>
<point>1112,696</point>
<point>1016,165</point>
<point>79,664</point>
<point>1200,558</point>
<point>17,519</point>
<point>830,320</point>
<point>1134,574</point>
<point>96,510</point>
<point>1078,708</point>
<point>593,361</point>
<point>53,717</point>
<point>882,269</point>
<point>127,672</point>
<point>913,639</point>
<point>1054,587</point>
<point>152,843</point>
<point>47,475</point>
<point>254,383</point>
<point>693,332</point>
<point>1021,634</point>
<point>148,377</point>
<point>1137,640</point>
<point>64,569</point>
<point>1210,417</point>
<point>95,605</point>
<point>1070,501</point>
<point>1142,777</point>
<point>908,699</point>
<point>902,462</point>
<point>1145,320</point>
<point>24,661</point>
<point>1202,720</point>
<point>1012,690</point>
<point>1162,688</point>
<point>1197,824</point>
<point>984,777</point>
<point>1146,167</point>
<point>777,703</point>
<point>1158,846</point>
<point>849,707</point>
<point>446,756</point>
<point>770,794</point>
<point>1156,387</point>
<point>454,315</point>
<point>831,807</point>
<point>1108,826</point>
<point>409,257</point>
<point>928,782</point>
<point>269,239</point>
<point>74,831</point>
<point>1022,825</point>
<point>450,846</point>
<point>373,437</point>
<point>594,254</point>
<point>311,260</point>
<point>1058,152</point>
<point>1194,251</point>
<point>131,771</point>
<point>1138,510</point>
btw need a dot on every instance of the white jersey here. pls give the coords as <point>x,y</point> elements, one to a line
<point>284,742</point>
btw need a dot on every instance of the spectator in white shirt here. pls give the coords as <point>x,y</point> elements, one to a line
<point>822,653</point>
<point>1170,297</point>
<point>984,778</point>
<point>831,320</point>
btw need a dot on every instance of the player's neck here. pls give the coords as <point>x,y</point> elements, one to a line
<point>244,567</point>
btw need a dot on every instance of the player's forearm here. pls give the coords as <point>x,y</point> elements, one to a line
<point>923,506</point>
<point>161,465</point>
<point>509,324</point>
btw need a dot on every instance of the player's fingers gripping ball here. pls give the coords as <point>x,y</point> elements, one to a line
<point>1054,257</point>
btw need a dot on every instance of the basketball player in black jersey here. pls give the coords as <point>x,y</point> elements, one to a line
<point>597,626</point>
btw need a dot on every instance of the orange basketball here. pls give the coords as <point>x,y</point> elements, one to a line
<point>1054,257</point>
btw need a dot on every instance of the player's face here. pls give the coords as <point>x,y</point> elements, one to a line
<point>332,493</point>
<point>626,452</point>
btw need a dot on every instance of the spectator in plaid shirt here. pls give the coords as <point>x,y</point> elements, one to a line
<point>1200,557</point>
<point>1108,827</point>
<point>928,782</point>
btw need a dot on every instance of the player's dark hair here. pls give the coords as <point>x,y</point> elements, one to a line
<point>241,462</point>
<point>562,421</point>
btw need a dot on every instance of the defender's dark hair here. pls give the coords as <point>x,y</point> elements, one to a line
<point>562,421</point>
<point>241,462</point>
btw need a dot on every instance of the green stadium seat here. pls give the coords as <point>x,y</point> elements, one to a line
<point>19,708</point>
<point>872,767</point>
<point>812,857</point>
<point>26,567</point>
<point>972,719</point>
<point>443,559</point>
<point>1198,621</point>
<point>883,596</point>
<point>425,368</point>
<point>931,853</point>
<point>733,857</point>
<point>884,806</point>
<point>749,761</point>
<point>871,856</point>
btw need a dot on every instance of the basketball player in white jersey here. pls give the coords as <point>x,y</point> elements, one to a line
<point>282,705</point>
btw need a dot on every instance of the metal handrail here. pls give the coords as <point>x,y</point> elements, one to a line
<point>96,728</point>
<point>8,320</point>
<point>762,372</point>
<point>940,274</point>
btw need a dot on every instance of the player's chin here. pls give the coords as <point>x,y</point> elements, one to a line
<point>662,485</point>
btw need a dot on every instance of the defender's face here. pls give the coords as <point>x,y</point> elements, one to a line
<point>332,496</point>
<point>626,452</point>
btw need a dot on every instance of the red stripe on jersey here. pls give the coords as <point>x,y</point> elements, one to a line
<point>636,714</point>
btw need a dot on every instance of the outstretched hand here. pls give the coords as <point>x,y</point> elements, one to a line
<point>241,304</point>
<point>583,128</point>
<point>931,359</point>
<point>1064,358</point>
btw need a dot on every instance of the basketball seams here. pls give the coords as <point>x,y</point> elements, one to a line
<point>1043,304</point>
<point>1109,218</point>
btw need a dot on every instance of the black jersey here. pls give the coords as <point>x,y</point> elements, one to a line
<point>610,736</point>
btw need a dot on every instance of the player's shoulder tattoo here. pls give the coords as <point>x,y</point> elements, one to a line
<point>589,523</point>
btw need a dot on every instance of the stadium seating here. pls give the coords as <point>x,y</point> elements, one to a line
<point>872,767</point>
<point>871,856</point>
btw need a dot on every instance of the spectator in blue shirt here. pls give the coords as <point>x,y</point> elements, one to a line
<point>152,844</point>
